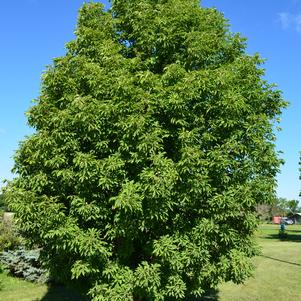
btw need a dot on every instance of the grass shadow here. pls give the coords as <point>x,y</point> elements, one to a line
<point>60,293</point>
<point>295,231</point>
<point>292,237</point>
<point>210,295</point>
<point>280,260</point>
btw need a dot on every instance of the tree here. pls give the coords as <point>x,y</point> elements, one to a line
<point>154,143</point>
<point>283,207</point>
<point>280,207</point>
<point>292,208</point>
<point>2,202</point>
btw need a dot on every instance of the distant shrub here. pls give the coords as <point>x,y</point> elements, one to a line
<point>9,237</point>
<point>24,264</point>
<point>1,284</point>
<point>3,205</point>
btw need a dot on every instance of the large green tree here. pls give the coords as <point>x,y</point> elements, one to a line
<point>154,143</point>
<point>292,206</point>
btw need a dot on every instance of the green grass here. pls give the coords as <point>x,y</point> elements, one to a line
<point>14,289</point>
<point>278,269</point>
<point>277,275</point>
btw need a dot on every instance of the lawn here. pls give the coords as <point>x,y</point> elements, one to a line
<point>277,275</point>
<point>14,289</point>
<point>18,290</point>
<point>278,269</point>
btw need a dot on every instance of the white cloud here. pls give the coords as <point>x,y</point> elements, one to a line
<point>290,21</point>
<point>298,23</point>
<point>285,20</point>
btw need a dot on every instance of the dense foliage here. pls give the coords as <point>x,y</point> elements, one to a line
<point>154,143</point>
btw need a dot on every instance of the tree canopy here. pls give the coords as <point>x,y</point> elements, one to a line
<point>153,145</point>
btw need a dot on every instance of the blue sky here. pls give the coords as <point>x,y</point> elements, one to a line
<point>33,32</point>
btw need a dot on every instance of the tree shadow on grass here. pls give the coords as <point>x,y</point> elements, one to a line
<point>60,293</point>
<point>210,295</point>
<point>291,236</point>
<point>280,260</point>
<point>295,231</point>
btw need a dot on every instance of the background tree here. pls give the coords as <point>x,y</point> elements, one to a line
<point>280,207</point>
<point>3,206</point>
<point>284,207</point>
<point>154,143</point>
<point>265,212</point>
<point>293,208</point>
